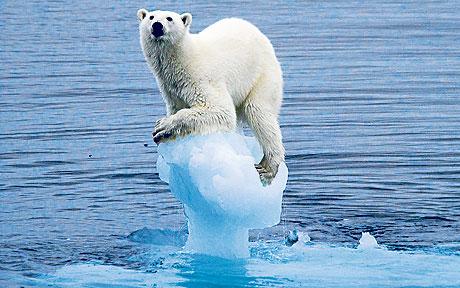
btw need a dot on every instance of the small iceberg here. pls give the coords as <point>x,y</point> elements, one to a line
<point>367,241</point>
<point>215,179</point>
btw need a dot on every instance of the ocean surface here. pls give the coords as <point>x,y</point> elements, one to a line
<point>371,126</point>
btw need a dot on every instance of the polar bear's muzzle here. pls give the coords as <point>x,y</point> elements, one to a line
<point>157,29</point>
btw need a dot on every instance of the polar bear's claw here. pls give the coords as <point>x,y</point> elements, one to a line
<point>162,130</point>
<point>161,136</point>
<point>265,175</point>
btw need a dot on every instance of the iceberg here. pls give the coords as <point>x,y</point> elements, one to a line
<point>367,241</point>
<point>214,177</point>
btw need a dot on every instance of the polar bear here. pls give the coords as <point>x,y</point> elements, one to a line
<point>212,81</point>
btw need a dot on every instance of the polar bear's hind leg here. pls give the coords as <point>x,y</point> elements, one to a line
<point>261,110</point>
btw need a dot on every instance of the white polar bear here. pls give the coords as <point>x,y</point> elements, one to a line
<point>224,75</point>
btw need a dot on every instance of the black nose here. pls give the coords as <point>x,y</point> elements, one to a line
<point>157,29</point>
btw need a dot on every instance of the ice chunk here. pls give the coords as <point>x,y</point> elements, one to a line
<point>291,238</point>
<point>159,236</point>
<point>303,239</point>
<point>214,177</point>
<point>367,241</point>
<point>296,238</point>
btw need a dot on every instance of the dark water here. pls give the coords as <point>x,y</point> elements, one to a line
<point>371,125</point>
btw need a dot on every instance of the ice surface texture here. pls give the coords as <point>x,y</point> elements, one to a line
<point>214,177</point>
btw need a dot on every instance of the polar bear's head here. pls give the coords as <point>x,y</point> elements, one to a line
<point>163,26</point>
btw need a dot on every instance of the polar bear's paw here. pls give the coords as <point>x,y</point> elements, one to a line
<point>266,175</point>
<point>164,130</point>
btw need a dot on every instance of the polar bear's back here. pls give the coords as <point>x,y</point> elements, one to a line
<point>239,52</point>
<point>231,28</point>
<point>236,33</point>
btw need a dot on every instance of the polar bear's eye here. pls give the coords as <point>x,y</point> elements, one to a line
<point>151,17</point>
<point>169,19</point>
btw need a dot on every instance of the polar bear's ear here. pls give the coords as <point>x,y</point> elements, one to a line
<point>186,19</point>
<point>141,13</point>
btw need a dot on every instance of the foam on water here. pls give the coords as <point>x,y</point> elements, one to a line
<point>215,179</point>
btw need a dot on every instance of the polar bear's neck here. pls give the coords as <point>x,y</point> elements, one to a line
<point>169,61</point>
<point>171,64</point>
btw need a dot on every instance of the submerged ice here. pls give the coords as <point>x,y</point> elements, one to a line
<point>215,179</point>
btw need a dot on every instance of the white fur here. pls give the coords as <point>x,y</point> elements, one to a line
<point>211,80</point>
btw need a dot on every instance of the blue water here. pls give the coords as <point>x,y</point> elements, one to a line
<point>371,125</point>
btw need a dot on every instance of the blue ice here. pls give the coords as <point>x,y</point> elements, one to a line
<point>215,179</point>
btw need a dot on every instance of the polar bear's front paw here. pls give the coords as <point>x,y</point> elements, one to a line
<point>266,175</point>
<point>163,130</point>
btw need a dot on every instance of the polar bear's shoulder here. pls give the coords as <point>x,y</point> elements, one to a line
<point>230,26</point>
